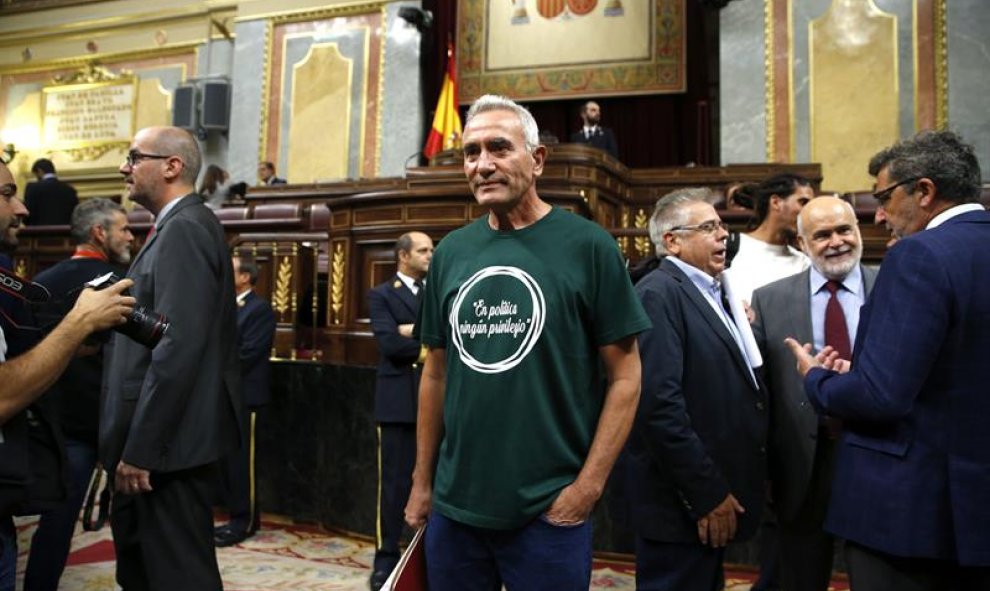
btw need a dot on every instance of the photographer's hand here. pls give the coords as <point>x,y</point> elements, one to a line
<point>99,310</point>
<point>132,480</point>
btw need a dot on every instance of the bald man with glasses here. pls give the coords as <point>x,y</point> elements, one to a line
<point>171,412</point>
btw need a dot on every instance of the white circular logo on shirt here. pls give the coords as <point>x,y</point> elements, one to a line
<point>496,318</point>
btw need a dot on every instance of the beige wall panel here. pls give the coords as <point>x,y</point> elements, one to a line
<point>321,106</point>
<point>854,90</point>
<point>154,104</point>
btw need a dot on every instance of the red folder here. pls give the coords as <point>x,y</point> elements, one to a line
<point>410,573</point>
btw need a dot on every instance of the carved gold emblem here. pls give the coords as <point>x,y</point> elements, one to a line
<point>337,267</point>
<point>283,281</point>
<point>642,243</point>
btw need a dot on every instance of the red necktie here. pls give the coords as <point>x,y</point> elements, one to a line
<point>836,333</point>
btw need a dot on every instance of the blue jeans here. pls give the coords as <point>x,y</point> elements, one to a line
<point>535,557</point>
<point>8,554</point>
<point>52,540</point>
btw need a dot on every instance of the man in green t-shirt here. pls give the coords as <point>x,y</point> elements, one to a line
<point>531,379</point>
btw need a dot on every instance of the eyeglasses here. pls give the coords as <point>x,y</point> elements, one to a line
<point>884,196</point>
<point>8,191</point>
<point>134,156</point>
<point>709,227</point>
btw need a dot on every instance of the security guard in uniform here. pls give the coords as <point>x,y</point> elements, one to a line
<point>394,305</point>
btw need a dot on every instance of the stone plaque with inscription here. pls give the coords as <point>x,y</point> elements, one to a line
<point>89,116</point>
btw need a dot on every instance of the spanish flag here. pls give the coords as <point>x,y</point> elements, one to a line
<point>446,131</point>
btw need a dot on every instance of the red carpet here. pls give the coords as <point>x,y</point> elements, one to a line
<point>285,556</point>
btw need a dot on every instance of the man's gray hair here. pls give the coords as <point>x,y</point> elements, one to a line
<point>89,213</point>
<point>492,102</point>
<point>941,156</point>
<point>670,212</point>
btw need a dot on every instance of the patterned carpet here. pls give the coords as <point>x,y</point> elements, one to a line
<point>284,556</point>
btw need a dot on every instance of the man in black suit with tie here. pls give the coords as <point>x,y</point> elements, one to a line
<point>170,411</point>
<point>592,132</point>
<point>266,174</point>
<point>393,307</point>
<point>49,200</point>
<point>697,451</point>
<point>255,332</point>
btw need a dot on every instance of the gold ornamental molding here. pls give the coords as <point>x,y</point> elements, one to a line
<point>768,85</point>
<point>623,241</point>
<point>293,16</point>
<point>281,296</point>
<point>266,70</point>
<point>941,65</point>
<point>95,152</point>
<point>337,268</point>
<point>103,58</point>
<point>642,243</point>
<point>92,73</point>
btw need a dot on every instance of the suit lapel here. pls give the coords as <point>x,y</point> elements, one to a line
<point>714,322</point>
<point>404,294</point>
<point>801,325</point>
<point>160,224</point>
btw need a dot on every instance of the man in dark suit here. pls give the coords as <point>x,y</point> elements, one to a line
<point>49,200</point>
<point>393,306</point>
<point>912,473</point>
<point>697,451</point>
<point>103,245</point>
<point>802,449</point>
<point>170,412</point>
<point>255,332</point>
<point>592,132</point>
<point>266,174</point>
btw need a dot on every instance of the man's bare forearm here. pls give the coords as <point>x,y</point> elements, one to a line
<point>25,378</point>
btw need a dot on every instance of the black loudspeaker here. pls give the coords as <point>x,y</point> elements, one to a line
<point>215,105</point>
<point>184,107</point>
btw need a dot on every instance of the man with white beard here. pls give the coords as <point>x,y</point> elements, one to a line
<point>821,306</point>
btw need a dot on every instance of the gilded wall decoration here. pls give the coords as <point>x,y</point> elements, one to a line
<point>338,266</point>
<point>642,243</point>
<point>283,293</point>
<point>626,47</point>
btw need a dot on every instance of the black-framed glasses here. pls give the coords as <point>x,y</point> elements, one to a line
<point>884,195</point>
<point>135,156</point>
<point>709,227</point>
<point>8,191</point>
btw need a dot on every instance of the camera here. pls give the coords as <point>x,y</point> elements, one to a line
<point>143,325</point>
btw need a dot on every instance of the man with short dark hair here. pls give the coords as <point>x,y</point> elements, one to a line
<point>170,412</point>
<point>913,467</point>
<point>392,307</point>
<point>592,132</point>
<point>103,241</point>
<point>266,174</point>
<point>255,332</point>
<point>49,200</point>
<point>697,453</point>
<point>819,305</point>
<point>531,378</point>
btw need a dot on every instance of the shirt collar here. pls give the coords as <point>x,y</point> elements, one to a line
<point>699,278</point>
<point>852,282</point>
<point>243,295</point>
<point>951,213</point>
<point>168,207</point>
<point>409,281</point>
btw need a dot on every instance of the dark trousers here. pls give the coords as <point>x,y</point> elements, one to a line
<point>535,557</point>
<point>240,479</point>
<point>52,540</point>
<point>668,566</point>
<point>164,538</point>
<point>396,460</point>
<point>806,549</point>
<point>872,570</point>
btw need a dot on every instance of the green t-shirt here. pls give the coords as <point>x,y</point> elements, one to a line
<point>521,315</point>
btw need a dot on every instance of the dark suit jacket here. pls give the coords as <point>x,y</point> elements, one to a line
<point>255,332</point>
<point>913,468</point>
<point>700,430</point>
<point>783,309</point>
<point>178,405</point>
<point>603,140</point>
<point>50,202</point>
<point>276,181</point>
<point>397,385</point>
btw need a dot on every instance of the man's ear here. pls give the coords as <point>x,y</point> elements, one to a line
<point>928,192</point>
<point>539,158</point>
<point>98,234</point>
<point>672,243</point>
<point>803,244</point>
